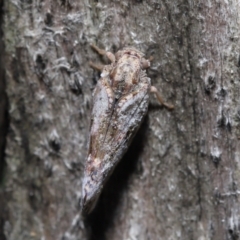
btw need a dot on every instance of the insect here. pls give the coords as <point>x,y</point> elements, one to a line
<point>120,102</point>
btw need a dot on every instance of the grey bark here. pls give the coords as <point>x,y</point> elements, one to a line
<point>180,177</point>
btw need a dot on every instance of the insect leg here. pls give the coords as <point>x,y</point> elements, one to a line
<point>110,55</point>
<point>160,99</point>
<point>146,62</point>
<point>98,67</point>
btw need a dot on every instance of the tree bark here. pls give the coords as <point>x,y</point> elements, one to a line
<point>179,178</point>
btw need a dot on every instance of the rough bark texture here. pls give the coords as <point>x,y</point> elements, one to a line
<point>180,177</point>
<point>3,125</point>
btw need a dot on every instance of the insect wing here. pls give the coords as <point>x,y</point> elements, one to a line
<point>126,119</point>
<point>100,116</point>
<point>92,181</point>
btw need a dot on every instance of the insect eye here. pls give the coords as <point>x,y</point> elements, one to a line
<point>145,63</point>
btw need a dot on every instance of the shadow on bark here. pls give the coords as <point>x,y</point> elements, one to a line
<point>102,217</point>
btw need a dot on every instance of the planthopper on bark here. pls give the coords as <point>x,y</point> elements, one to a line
<point>120,102</point>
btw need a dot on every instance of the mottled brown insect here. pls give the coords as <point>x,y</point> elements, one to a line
<point>120,102</point>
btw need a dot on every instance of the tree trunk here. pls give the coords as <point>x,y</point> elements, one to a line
<point>179,178</point>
